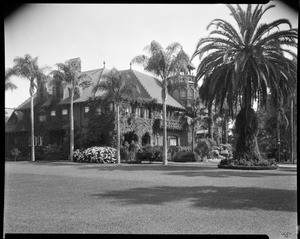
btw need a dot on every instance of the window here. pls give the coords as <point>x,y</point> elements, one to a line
<point>86,109</point>
<point>42,118</point>
<point>173,141</point>
<point>111,106</point>
<point>98,110</point>
<point>138,111</point>
<point>64,112</point>
<point>38,141</point>
<point>53,113</point>
<point>183,94</point>
<point>128,110</point>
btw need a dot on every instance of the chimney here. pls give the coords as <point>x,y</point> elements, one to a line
<point>76,63</point>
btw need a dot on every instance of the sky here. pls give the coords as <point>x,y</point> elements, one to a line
<point>114,33</point>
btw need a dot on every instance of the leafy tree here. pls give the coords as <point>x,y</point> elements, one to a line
<point>69,75</point>
<point>241,65</point>
<point>116,91</point>
<point>27,67</point>
<point>165,64</point>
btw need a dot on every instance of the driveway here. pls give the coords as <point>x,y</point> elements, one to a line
<point>64,197</point>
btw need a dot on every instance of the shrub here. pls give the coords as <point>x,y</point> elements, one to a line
<point>52,152</point>
<point>15,152</point>
<point>151,153</point>
<point>204,147</point>
<point>183,156</point>
<point>95,155</point>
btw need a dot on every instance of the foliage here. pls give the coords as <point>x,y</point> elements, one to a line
<point>173,150</point>
<point>184,156</point>
<point>204,147</point>
<point>52,152</point>
<point>150,153</point>
<point>95,155</point>
<point>15,152</point>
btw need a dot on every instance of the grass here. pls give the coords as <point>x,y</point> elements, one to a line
<point>65,197</point>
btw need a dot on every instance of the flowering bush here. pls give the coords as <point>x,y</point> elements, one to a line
<point>95,155</point>
<point>151,153</point>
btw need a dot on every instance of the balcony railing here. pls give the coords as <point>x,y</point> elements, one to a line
<point>172,123</point>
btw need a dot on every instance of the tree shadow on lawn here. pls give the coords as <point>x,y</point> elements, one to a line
<point>208,197</point>
<point>188,171</point>
<point>177,170</point>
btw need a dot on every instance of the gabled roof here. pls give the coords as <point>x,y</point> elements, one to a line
<point>26,103</point>
<point>153,87</point>
<point>149,87</point>
<point>86,93</point>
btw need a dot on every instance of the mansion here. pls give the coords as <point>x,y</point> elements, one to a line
<point>94,123</point>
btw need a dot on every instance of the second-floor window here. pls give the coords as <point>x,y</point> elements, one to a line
<point>183,94</point>
<point>42,118</point>
<point>86,109</point>
<point>53,113</point>
<point>64,112</point>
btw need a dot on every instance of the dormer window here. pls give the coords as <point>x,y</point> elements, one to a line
<point>183,94</point>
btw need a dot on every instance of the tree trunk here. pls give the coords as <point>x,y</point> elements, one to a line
<point>225,129</point>
<point>247,131</point>
<point>165,143</point>
<point>71,127</point>
<point>292,132</point>
<point>118,134</point>
<point>211,123</point>
<point>278,136</point>
<point>193,137</point>
<point>32,129</point>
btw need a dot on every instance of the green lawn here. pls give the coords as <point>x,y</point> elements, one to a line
<point>179,198</point>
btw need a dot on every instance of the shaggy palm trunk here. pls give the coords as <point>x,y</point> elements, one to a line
<point>71,127</point>
<point>211,123</point>
<point>118,133</point>
<point>225,129</point>
<point>32,129</point>
<point>247,131</point>
<point>165,143</point>
<point>278,138</point>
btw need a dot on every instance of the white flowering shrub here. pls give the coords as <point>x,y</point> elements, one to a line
<point>95,155</point>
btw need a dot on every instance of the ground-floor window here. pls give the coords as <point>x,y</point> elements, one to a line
<point>173,141</point>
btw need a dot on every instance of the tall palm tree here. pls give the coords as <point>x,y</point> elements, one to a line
<point>27,67</point>
<point>246,62</point>
<point>69,74</point>
<point>115,91</point>
<point>165,64</point>
<point>9,85</point>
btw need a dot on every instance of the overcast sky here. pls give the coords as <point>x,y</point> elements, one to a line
<point>114,33</point>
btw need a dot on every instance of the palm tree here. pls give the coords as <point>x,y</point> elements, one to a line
<point>116,91</point>
<point>69,75</point>
<point>27,67</point>
<point>246,62</point>
<point>165,64</point>
<point>9,85</point>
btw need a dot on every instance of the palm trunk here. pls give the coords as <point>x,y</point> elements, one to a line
<point>118,134</point>
<point>165,142</point>
<point>292,132</point>
<point>32,129</point>
<point>247,131</point>
<point>225,129</point>
<point>193,137</point>
<point>211,123</point>
<point>71,127</point>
